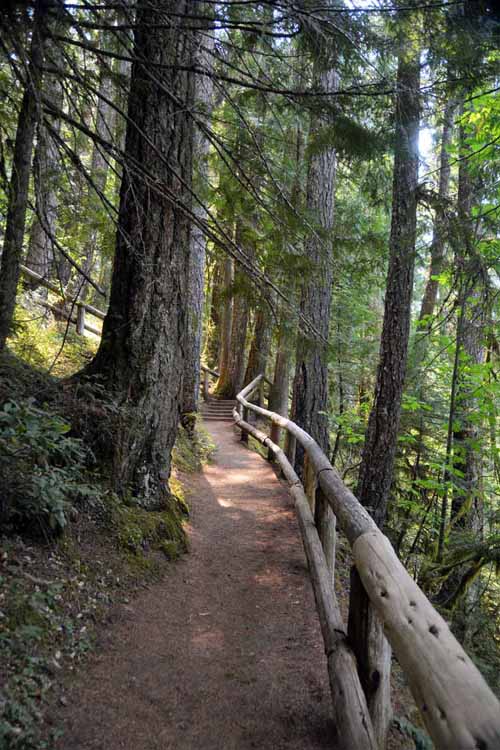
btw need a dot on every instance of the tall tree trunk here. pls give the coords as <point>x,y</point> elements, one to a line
<point>141,355</point>
<point>261,343</point>
<point>279,395</point>
<point>213,334</point>
<point>231,378</point>
<point>197,254</point>
<point>375,476</point>
<point>310,387</point>
<point>439,229</point>
<point>105,126</point>
<point>226,319</point>
<point>29,114</point>
<point>417,374</point>
<point>40,255</point>
<point>466,515</point>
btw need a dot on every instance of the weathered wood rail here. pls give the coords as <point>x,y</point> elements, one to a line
<point>81,307</point>
<point>458,709</point>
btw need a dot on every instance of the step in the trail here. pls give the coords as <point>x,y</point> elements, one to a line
<point>220,410</point>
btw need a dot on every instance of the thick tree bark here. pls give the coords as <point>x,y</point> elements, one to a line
<point>141,355</point>
<point>29,115</point>
<point>310,387</point>
<point>197,254</point>
<point>377,463</point>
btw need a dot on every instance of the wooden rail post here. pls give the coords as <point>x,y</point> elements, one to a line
<point>290,446</point>
<point>206,393</point>
<point>326,523</point>
<point>261,393</point>
<point>373,656</point>
<point>244,433</point>
<point>80,320</point>
<point>324,517</point>
<point>310,482</point>
<point>275,437</point>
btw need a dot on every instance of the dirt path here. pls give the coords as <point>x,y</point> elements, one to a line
<point>226,652</point>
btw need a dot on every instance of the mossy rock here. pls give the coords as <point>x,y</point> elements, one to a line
<point>138,530</point>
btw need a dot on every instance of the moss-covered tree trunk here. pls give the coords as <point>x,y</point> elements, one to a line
<point>141,355</point>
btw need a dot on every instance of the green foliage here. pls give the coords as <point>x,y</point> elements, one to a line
<point>42,467</point>
<point>349,138</point>
<point>44,344</point>
<point>137,530</point>
<point>190,453</point>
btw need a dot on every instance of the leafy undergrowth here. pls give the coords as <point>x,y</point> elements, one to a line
<point>49,345</point>
<point>70,548</point>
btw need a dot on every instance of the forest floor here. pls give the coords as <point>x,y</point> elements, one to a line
<point>225,652</point>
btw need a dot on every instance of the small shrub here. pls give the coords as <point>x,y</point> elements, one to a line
<point>42,469</point>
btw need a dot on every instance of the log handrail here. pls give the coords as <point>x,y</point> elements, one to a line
<point>459,710</point>
<point>54,288</point>
<point>204,368</point>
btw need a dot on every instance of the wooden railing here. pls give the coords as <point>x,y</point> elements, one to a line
<point>81,307</point>
<point>459,710</point>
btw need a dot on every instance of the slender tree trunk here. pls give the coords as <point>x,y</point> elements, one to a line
<point>439,230</point>
<point>141,355</point>
<point>226,320</point>
<point>429,300</point>
<point>29,115</point>
<point>310,387</point>
<point>231,378</point>
<point>40,255</point>
<point>237,352</point>
<point>279,395</point>
<point>197,254</point>
<point>375,476</point>
<point>213,334</point>
<point>376,469</point>
<point>105,126</point>
<point>466,514</point>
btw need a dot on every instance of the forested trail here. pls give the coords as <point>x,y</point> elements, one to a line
<point>226,652</point>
